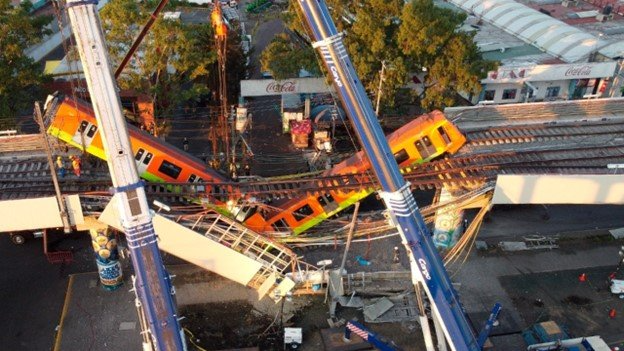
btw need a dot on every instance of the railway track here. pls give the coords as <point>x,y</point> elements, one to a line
<point>533,153</point>
<point>543,133</point>
<point>465,172</point>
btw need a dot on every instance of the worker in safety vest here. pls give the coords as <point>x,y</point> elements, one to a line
<point>76,165</point>
<point>61,166</point>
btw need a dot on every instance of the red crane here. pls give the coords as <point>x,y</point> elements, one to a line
<point>219,132</point>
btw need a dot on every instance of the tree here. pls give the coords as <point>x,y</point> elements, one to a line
<point>175,64</point>
<point>430,37</point>
<point>20,77</point>
<point>284,58</point>
<point>409,37</point>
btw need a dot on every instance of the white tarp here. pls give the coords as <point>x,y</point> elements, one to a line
<point>39,213</point>
<point>559,189</point>
<point>194,247</point>
<point>264,87</point>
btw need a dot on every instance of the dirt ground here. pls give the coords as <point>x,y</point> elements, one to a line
<point>220,326</point>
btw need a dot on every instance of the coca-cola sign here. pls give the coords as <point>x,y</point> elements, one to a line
<point>552,72</point>
<point>577,71</point>
<point>282,87</point>
<point>264,87</point>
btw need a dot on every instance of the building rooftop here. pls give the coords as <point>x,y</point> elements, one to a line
<point>543,31</point>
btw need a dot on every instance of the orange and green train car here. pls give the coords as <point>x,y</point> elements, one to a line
<point>421,140</point>
<point>157,161</point>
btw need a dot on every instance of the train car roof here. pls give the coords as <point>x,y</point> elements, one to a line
<point>151,140</point>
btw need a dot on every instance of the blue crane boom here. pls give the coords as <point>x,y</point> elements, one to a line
<point>152,283</point>
<point>367,335</point>
<point>426,264</point>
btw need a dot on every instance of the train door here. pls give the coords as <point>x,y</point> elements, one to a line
<point>425,147</point>
<point>328,203</point>
<point>195,179</point>
<point>85,133</point>
<point>143,160</point>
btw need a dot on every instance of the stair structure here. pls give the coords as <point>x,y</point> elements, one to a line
<point>223,246</point>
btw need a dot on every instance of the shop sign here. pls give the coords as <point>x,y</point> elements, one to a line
<point>264,87</point>
<point>543,73</point>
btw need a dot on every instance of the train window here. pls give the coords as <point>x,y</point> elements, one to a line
<point>200,187</point>
<point>280,224</point>
<point>192,178</point>
<point>148,158</point>
<point>401,156</point>
<point>427,141</point>
<point>169,169</point>
<point>139,154</point>
<point>324,200</point>
<point>91,131</point>
<point>83,126</point>
<point>303,211</point>
<point>246,212</point>
<point>444,135</point>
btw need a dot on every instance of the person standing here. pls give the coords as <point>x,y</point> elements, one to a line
<point>185,144</point>
<point>61,166</point>
<point>76,165</point>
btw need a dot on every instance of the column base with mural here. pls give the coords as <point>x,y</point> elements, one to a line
<point>107,258</point>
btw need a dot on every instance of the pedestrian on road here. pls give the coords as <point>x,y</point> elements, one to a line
<point>185,144</point>
<point>76,165</point>
<point>61,166</point>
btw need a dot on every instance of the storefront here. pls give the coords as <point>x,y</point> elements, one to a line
<point>513,84</point>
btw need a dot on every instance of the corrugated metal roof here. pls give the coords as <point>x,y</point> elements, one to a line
<point>544,32</point>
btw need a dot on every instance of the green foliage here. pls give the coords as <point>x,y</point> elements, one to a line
<point>175,62</point>
<point>409,36</point>
<point>20,76</point>
<point>284,59</point>
<point>256,6</point>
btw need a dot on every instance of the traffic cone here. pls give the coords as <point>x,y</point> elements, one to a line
<point>582,277</point>
<point>612,313</point>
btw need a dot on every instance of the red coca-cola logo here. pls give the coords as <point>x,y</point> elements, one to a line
<point>281,87</point>
<point>578,71</point>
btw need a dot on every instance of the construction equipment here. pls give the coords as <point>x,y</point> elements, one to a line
<point>374,339</point>
<point>428,272</point>
<point>219,135</point>
<point>549,335</point>
<point>616,279</point>
<point>155,303</point>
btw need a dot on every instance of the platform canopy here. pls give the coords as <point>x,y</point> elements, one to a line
<point>540,30</point>
<point>590,189</point>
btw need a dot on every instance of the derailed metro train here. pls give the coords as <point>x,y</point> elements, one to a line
<point>425,138</point>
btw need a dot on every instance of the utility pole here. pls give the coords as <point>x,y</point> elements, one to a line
<point>219,133</point>
<point>57,189</point>
<point>381,79</point>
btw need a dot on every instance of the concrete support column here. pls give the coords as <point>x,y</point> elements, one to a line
<point>449,222</point>
<point>107,258</point>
